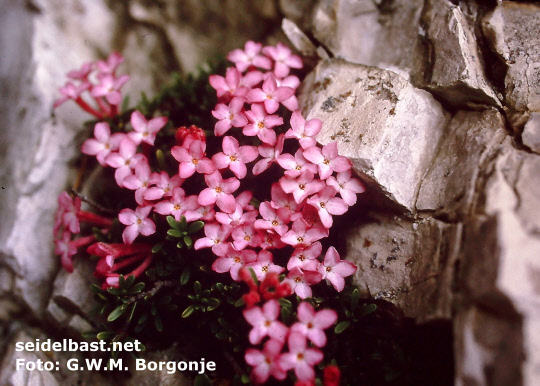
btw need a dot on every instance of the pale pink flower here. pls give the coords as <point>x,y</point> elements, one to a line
<point>270,95</point>
<point>269,154</point>
<point>244,199</point>
<point>109,87</point>
<point>204,213</point>
<point>111,64</point>
<point>265,322</point>
<point>229,116</point>
<point>346,186</point>
<point>280,199</point>
<point>311,324</point>
<point>103,144</point>
<point>65,249</point>
<point>137,222</point>
<point>232,261</point>
<point>300,358</point>
<point>229,86</point>
<point>235,157</point>
<point>238,217</point>
<point>334,269</point>
<point>216,238</point>
<point>177,205</point>
<point>327,204</point>
<point>266,362</point>
<point>219,192</point>
<point>125,160</point>
<point>68,212</point>
<point>144,130</point>
<point>284,59</point>
<point>249,56</point>
<point>273,219</point>
<point>302,234</point>
<point>72,91</point>
<point>262,124</point>
<point>327,159</point>
<point>304,131</point>
<point>164,185</point>
<point>293,82</point>
<point>139,181</point>
<point>300,281</point>
<point>82,73</point>
<point>192,159</point>
<point>297,165</point>
<point>301,187</point>
<point>246,235</point>
<point>264,265</point>
<point>306,258</point>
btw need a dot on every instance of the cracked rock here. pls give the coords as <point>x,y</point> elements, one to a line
<point>449,185</point>
<point>513,31</point>
<point>388,128</point>
<point>531,133</point>
<point>457,73</point>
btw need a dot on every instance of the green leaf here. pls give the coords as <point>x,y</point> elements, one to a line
<point>125,103</point>
<point>213,303</point>
<point>197,287</point>
<point>157,247</point>
<point>121,281</point>
<point>220,287</point>
<point>95,288</point>
<point>116,313</point>
<point>136,288</point>
<point>143,318</point>
<point>173,223</point>
<point>222,335</point>
<point>240,302</point>
<point>105,335</point>
<point>285,302</point>
<point>158,323</point>
<point>132,312</point>
<point>183,223</point>
<point>355,298</point>
<point>245,379</point>
<point>202,380</point>
<point>188,241</point>
<point>130,280</point>
<point>114,291</point>
<point>180,244</point>
<point>103,297</point>
<point>188,311</point>
<point>368,309</point>
<point>89,335</point>
<point>174,233</point>
<point>342,327</point>
<point>195,227</point>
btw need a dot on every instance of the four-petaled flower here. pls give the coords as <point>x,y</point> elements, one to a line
<point>265,322</point>
<point>144,130</point>
<point>300,357</point>
<point>137,222</point>
<point>219,192</point>
<point>235,157</point>
<point>334,269</point>
<point>266,362</point>
<point>311,324</point>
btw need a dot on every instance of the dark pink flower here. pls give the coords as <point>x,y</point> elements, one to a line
<point>125,160</point>
<point>304,131</point>
<point>300,358</point>
<point>137,222</point>
<point>328,160</point>
<point>269,154</point>
<point>264,265</point>
<point>306,258</point>
<point>192,159</point>
<point>327,204</point>
<point>235,157</point>
<point>301,187</point>
<point>297,165</point>
<point>229,116</point>
<point>334,269</point>
<point>284,59</point>
<point>216,238</point>
<point>265,322</point>
<point>219,192</point>
<point>270,95</point>
<point>249,56</point>
<point>266,362</point>
<point>233,261</point>
<point>300,281</point>
<point>302,234</point>
<point>347,187</point>
<point>145,131</point>
<point>273,219</point>
<point>311,324</point>
<point>177,205</point>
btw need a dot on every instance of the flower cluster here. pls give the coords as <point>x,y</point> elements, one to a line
<point>99,80</point>
<point>315,183</point>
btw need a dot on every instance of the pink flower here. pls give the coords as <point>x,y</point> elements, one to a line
<point>125,160</point>
<point>145,131</point>
<point>296,165</point>
<point>139,181</point>
<point>304,131</point>
<point>311,324</point>
<point>233,261</point>
<point>302,187</point>
<point>216,237</point>
<point>68,212</point>
<point>204,213</point>
<point>104,143</point>
<point>177,205</point>
<point>300,358</point>
<point>301,281</point>
<point>274,220</point>
<point>65,249</point>
<point>238,217</point>
<point>262,124</point>
<point>82,73</point>
<point>228,87</point>
<point>270,95</point>
<point>111,64</point>
<point>302,234</point>
<point>327,159</point>
<point>164,185</point>
<point>71,91</point>
<point>245,236</point>
<point>235,157</point>
<point>264,265</point>
<point>334,270</point>
<point>266,362</point>
<point>346,186</point>
<point>269,154</point>
<point>306,258</point>
<point>137,222</point>
<point>264,322</point>
<point>271,240</point>
<point>229,116</point>
<point>219,192</point>
<point>327,204</point>
<point>280,199</point>
<point>293,82</point>
<point>192,159</point>
<point>250,56</point>
<point>109,87</point>
<point>284,59</point>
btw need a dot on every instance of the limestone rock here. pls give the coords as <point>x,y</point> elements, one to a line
<point>449,185</point>
<point>531,133</point>
<point>388,128</point>
<point>407,263</point>
<point>158,377</point>
<point>386,34</point>
<point>457,73</point>
<point>512,30</point>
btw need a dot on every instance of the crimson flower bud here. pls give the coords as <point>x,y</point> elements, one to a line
<point>184,136</point>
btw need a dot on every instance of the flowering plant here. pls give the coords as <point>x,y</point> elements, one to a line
<point>217,219</point>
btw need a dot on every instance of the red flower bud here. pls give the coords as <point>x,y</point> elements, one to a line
<point>184,136</point>
<point>251,299</point>
<point>331,376</point>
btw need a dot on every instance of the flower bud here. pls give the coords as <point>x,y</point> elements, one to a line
<point>184,136</point>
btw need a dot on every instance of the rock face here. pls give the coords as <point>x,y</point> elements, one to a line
<point>387,127</point>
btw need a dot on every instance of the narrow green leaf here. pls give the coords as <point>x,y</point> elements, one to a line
<point>195,227</point>
<point>245,379</point>
<point>220,287</point>
<point>342,327</point>
<point>143,318</point>
<point>125,103</point>
<point>105,335</point>
<point>102,297</point>
<point>355,298</point>
<point>158,323</point>
<point>183,224</point>
<point>114,291</point>
<point>136,288</point>
<point>188,241</point>
<point>132,313</point>
<point>197,287</point>
<point>116,313</point>
<point>95,288</point>
<point>173,223</point>
<point>285,302</point>
<point>174,233</point>
<point>180,244</point>
<point>239,303</point>
<point>130,280</point>
<point>213,303</point>
<point>188,311</point>
<point>89,335</point>
<point>122,281</point>
<point>368,309</point>
<point>157,247</point>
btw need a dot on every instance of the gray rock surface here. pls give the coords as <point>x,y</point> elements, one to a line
<point>388,128</point>
<point>531,133</point>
